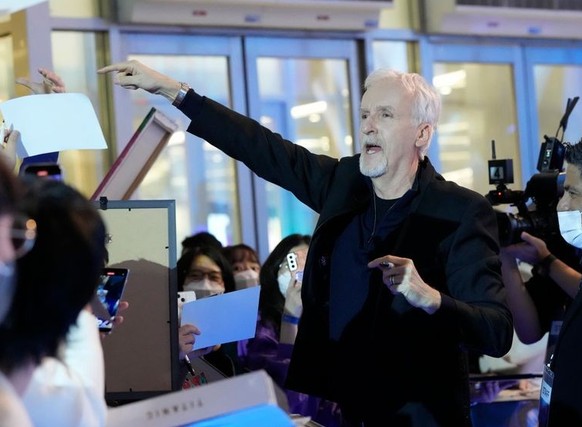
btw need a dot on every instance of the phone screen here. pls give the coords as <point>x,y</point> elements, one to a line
<point>44,170</point>
<point>109,292</point>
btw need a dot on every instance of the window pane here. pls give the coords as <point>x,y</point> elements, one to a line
<point>478,107</point>
<point>391,54</point>
<point>6,69</point>
<point>189,170</point>
<point>554,84</point>
<point>75,61</point>
<point>75,9</point>
<point>307,101</point>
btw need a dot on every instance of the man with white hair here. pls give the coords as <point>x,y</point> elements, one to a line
<point>403,272</point>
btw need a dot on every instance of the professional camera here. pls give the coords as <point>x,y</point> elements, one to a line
<point>536,206</point>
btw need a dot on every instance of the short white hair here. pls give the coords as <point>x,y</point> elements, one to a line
<point>426,104</point>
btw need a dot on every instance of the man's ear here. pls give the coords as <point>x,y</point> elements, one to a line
<point>423,135</point>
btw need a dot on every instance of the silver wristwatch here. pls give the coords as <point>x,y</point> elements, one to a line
<point>184,88</point>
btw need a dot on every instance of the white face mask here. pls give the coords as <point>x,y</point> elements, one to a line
<point>7,286</point>
<point>284,280</point>
<point>204,288</point>
<point>571,227</point>
<point>246,279</point>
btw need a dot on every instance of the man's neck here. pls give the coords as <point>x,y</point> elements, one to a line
<point>394,184</point>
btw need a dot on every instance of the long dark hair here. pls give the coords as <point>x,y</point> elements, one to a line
<point>271,301</point>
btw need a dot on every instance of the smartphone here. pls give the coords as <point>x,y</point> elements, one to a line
<point>109,292</point>
<point>183,298</point>
<point>292,261</point>
<point>44,170</point>
<point>186,296</point>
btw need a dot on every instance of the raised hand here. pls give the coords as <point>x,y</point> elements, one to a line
<point>117,319</point>
<point>135,75</point>
<point>293,305</point>
<point>187,338</point>
<point>51,83</point>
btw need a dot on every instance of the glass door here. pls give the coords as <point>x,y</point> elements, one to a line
<point>483,101</point>
<point>554,76</point>
<point>304,90</point>
<point>204,182</point>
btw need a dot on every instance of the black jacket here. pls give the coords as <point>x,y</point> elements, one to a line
<point>413,371</point>
<point>551,301</point>
<point>566,398</point>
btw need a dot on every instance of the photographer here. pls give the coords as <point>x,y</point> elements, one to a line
<point>537,307</point>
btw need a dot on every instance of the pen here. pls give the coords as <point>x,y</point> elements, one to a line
<point>189,365</point>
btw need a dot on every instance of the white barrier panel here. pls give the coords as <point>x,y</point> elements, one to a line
<point>245,400</point>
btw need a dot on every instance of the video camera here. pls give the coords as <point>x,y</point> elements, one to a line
<point>543,191</point>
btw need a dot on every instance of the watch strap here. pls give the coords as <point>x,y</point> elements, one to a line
<point>184,88</point>
<point>543,267</point>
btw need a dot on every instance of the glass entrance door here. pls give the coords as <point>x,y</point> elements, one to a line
<point>482,102</point>
<point>201,179</point>
<point>301,89</point>
<point>554,76</point>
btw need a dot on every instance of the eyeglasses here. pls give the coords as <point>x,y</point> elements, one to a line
<point>23,235</point>
<point>213,276</point>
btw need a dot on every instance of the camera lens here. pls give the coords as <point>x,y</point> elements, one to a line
<point>511,226</point>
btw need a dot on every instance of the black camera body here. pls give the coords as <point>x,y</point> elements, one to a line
<point>543,190</point>
<point>536,205</point>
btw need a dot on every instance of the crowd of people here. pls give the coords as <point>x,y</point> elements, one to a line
<point>367,322</point>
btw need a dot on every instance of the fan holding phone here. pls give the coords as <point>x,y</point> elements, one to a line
<point>280,310</point>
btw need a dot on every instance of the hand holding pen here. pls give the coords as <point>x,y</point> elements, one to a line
<point>186,340</point>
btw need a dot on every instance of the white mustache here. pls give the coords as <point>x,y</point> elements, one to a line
<point>371,140</point>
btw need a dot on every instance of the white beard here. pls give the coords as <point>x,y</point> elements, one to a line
<point>373,171</point>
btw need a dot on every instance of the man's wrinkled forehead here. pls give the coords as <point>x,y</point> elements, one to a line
<point>387,95</point>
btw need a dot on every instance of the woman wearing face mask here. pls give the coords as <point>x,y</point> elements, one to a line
<point>280,310</point>
<point>551,300</point>
<point>245,265</point>
<point>206,271</point>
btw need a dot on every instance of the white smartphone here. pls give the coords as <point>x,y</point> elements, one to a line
<point>183,298</point>
<point>292,261</point>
